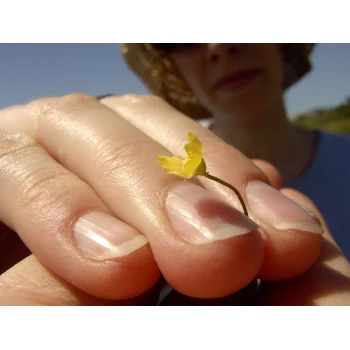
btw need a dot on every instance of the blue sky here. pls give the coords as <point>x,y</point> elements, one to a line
<point>29,71</point>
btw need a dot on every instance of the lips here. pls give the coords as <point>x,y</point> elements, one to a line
<point>236,81</point>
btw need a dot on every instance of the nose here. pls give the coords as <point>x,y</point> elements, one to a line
<point>215,52</point>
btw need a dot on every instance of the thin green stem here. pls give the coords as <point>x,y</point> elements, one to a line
<point>222,182</point>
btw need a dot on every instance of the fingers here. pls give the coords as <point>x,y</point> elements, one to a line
<point>29,283</point>
<point>56,213</point>
<point>285,226</point>
<point>203,246</point>
<point>326,283</point>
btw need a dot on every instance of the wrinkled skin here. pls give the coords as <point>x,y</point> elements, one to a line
<point>62,157</point>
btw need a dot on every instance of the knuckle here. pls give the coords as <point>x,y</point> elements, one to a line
<point>12,144</point>
<point>142,99</point>
<point>43,188</point>
<point>134,104</point>
<point>10,109</point>
<point>23,118</point>
<point>36,106</point>
<point>76,99</point>
<point>20,165</point>
<point>52,107</point>
<point>68,103</point>
<point>26,117</point>
<point>121,155</point>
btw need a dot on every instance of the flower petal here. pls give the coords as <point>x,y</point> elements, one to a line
<point>195,145</point>
<point>194,155</point>
<point>173,165</point>
<point>201,169</point>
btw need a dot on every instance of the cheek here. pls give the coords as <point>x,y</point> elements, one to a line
<point>274,66</point>
<point>191,69</point>
<point>196,79</point>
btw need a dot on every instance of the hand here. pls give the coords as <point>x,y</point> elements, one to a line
<point>76,156</point>
<point>327,282</point>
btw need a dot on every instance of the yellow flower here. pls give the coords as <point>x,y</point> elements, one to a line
<point>193,165</point>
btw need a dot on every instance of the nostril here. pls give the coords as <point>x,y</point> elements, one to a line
<point>214,57</point>
<point>218,50</point>
<point>233,48</point>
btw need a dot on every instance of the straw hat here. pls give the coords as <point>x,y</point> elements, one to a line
<point>158,73</point>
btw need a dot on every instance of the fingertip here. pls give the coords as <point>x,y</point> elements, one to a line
<point>295,252</point>
<point>214,270</point>
<point>292,237</point>
<point>122,278</point>
<point>289,255</point>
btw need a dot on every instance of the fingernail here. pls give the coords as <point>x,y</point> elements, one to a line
<point>105,237</point>
<point>200,217</point>
<point>311,213</point>
<point>279,211</point>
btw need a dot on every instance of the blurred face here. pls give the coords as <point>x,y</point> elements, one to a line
<point>242,81</point>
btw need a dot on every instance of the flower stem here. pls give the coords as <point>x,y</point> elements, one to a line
<point>222,182</point>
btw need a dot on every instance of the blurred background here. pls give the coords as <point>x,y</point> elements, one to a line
<point>29,71</point>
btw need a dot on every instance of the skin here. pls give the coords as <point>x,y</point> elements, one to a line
<point>249,117</point>
<point>53,158</point>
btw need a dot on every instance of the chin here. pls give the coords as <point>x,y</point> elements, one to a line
<point>243,118</point>
<point>252,109</point>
